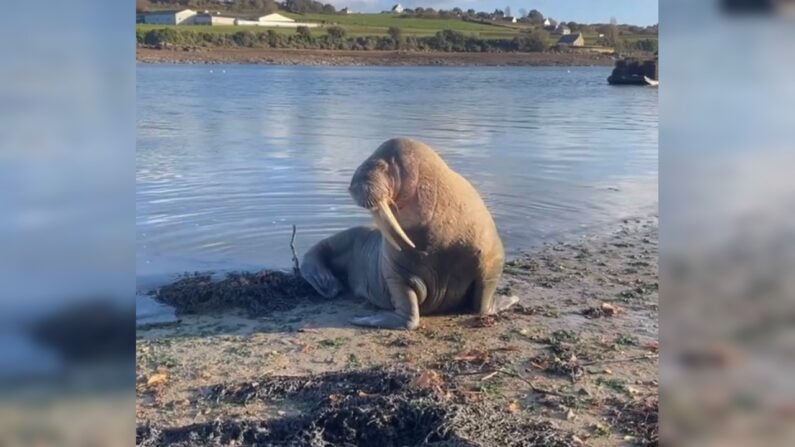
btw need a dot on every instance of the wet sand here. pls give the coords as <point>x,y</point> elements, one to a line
<point>364,58</point>
<point>575,363</point>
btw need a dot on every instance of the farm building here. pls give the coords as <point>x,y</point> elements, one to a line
<point>278,21</point>
<point>269,20</point>
<point>562,30</point>
<point>398,8</point>
<point>572,40</point>
<point>214,18</point>
<point>173,17</point>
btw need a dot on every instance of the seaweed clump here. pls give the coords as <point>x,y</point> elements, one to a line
<point>258,293</point>
<point>639,418</point>
<point>369,407</point>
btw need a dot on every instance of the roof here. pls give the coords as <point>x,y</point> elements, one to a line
<point>397,6</point>
<point>570,38</point>
<point>275,16</point>
<point>216,14</point>
<point>166,11</point>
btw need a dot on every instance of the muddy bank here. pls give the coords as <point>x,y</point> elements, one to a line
<point>574,364</point>
<point>363,58</point>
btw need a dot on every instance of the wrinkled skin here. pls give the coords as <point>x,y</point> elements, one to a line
<point>435,249</point>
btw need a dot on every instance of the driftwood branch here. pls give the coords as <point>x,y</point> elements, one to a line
<point>531,384</point>
<point>296,268</point>
<point>492,373</point>
<point>624,360</point>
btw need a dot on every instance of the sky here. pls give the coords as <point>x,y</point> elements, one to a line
<point>635,12</point>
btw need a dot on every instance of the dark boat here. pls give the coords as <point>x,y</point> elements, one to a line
<point>634,72</point>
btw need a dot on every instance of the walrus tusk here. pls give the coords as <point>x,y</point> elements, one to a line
<point>379,222</point>
<point>386,213</point>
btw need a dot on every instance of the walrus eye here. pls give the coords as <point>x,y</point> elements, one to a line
<point>384,213</point>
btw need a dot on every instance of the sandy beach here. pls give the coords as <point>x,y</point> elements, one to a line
<point>575,363</point>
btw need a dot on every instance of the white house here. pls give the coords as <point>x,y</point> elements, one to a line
<point>398,8</point>
<point>572,40</point>
<point>562,30</point>
<point>547,22</point>
<point>173,17</point>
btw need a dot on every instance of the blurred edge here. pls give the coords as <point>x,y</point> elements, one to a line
<point>67,216</point>
<point>67,139</point>
<point>727,207</point>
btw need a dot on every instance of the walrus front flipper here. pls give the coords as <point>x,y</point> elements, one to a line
<point>486,300</point>
<point>405,316</point>
<point>503,302</point>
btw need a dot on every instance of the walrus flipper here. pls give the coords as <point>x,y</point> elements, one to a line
<point>405,316</point>
<point>327,255</point>
<point>486,300</point>
<point>320,278</point>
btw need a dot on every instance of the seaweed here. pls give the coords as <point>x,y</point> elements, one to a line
<point>637,418</point>
<point>259,293</point>
<point>366,407</point>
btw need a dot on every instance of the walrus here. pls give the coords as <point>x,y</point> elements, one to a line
<point>434,247</point>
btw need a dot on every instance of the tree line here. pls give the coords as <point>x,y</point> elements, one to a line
<point>336,39</point>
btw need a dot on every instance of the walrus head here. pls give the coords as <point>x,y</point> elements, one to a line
<point>376,185</point>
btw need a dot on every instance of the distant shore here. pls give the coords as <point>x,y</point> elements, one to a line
<point>267,56</point>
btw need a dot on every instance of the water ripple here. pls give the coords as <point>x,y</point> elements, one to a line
<point>227,164</point>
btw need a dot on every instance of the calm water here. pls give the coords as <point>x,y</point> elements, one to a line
<point>229,157</point>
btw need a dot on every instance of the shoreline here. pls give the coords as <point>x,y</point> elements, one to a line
<point>585,332</point>
<point>268,56</point>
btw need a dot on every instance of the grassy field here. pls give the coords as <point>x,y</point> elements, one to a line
<point>379,24</point>
<point>367,25</point>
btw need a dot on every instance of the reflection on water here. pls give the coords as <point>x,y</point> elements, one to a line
<point>229,157</point>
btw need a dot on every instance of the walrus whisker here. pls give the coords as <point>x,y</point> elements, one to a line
<point>386,212</point>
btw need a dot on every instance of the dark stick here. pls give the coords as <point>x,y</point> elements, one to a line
<point>630,359</point>
<point>531,384</point>
<point>296,268</point>
<point>533,387</point>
